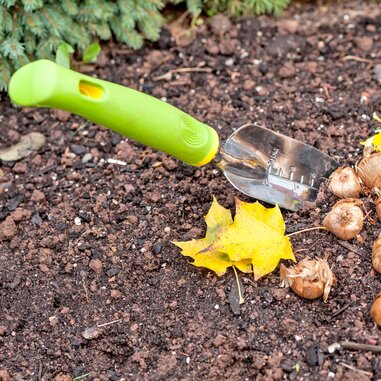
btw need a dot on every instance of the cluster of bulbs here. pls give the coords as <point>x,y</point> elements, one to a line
<point>313,278</point>
<point>345,220</point>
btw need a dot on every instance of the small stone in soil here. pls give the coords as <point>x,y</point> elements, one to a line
<point>20,214</point>
<point>62,116</point>
<point>219,340</point>
<point>220,24</point>
<point>87,157</point>
<point>96,265</point>
<point>4,375</point>
<point>112,272</point>
<point>14,203</point>
<point>364,43</point>
<point>314,356</point>
<point>90,333</point>
<point>115,138</point>
<point>78,149</point>
<point>377,72</point>
<point>37,196</point>
<point>157,248</point>
<point>3,330</point>
<point>8,228</point>
<point>36,219</point>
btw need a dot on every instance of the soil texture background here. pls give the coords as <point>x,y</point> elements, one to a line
<point>91,287</point>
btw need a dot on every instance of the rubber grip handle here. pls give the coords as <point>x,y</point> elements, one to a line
<point>129,112</point>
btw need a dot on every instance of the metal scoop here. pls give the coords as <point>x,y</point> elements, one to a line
<point>274,168</point>
<point>260,163</point>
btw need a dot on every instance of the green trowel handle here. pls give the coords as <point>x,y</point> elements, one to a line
<point>126,111</point>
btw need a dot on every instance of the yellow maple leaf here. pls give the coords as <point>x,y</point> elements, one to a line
<point>253,242</point>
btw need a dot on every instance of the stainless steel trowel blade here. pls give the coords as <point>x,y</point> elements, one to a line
<point>274,168</point>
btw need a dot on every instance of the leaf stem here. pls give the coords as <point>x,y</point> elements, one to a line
<point>307,230</point>
<point>241,299</point>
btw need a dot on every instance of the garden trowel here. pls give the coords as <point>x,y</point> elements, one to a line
<point>260,163</point>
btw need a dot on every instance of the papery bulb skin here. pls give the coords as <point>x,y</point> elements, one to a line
<point>309,278</point>
<point>344,183</point>
<point>376,254</point>
<point>345,220</point>
<point>375,310</point>
<point>369,170</point>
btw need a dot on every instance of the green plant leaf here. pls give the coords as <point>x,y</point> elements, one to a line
<point>91,53</point>
<point>63,54</point>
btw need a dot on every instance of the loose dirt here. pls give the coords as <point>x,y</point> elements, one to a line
<point>91,287</point>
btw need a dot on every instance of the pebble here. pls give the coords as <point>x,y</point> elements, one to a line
<point>279,294</point>
<point>167,229</point>
<point>377,72</point>
<point>87,157</point>
<point>157,248</point>
<point>20,168</point>
<point>155,197</point>
<point>248,85</point>
<point>228,47</point>
<point>44,268</point>
<point>364,43</point>
<point>62,116</point>
<point>112,272</point>
<point>49,242</point>
<point>220,24</point>
<point>4,375</point>
<point>3,330</point>
<point>96,265</point>
<point>212,48</point>
<point>8,228</point>
<point>287,70</point>
<point>115,138</point>
<point>65,310</point>
<point>36,219</point>
<point>37,196</point>
<point>133,220</point>
<point>287,26</point>
<point>115,294</point>
<point>219,340</point>
<point>14,203</point>
<point>90,333</point>
<point>314,356</point>
<point>21,214</point>
<point>78,149</point>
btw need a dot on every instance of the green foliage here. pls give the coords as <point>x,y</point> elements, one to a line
<point>63,54</point>
<point>65,51</point>
<point>91,53</point>
<point>32,29</point>
<point>245,7</point>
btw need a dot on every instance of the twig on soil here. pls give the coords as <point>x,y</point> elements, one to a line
<point>168,75</point>
<point>350,247</point>
<point>306,230</point>
<point>364,372</point>
<point>40,371</point>
<point>86,292</point>
<point>299,250</point>
<point>326,87</point>
<point>340,311</point>
<point>358,59</point>
<point>82,376</point>
<point>109,323</point>
<point>360,347</point>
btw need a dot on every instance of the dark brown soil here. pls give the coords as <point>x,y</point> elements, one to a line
<point>88,242</point>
